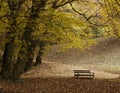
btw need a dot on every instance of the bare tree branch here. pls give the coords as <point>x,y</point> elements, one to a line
<point>88,18</point>
<point>56,5</point>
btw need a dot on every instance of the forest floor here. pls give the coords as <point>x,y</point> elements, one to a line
<point>61,85</point>
<point>52,69</point>
<point>55,74</point>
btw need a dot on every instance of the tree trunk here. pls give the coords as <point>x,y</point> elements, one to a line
<point>8,60</point>
<point>11,68</point>
<point>26,54</point>
<point>39,58</point>
<point>30,56</point>
<point>22,58</point>
<point>40,53</point>
<point>36,8</point>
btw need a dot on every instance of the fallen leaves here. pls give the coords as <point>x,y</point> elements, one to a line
<point>61,85</point>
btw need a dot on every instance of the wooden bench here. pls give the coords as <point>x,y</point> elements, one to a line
<point>84,74</point>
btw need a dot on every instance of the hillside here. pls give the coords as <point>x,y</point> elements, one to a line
<point>103,59</point>
<point>103,56</point>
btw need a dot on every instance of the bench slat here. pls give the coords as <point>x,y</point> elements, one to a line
<point>84,73</point>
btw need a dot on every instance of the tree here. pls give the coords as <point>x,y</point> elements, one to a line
<point>113,12</point>
<point>13,33</point>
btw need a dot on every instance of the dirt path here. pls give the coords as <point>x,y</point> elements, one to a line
<point>52,69</point>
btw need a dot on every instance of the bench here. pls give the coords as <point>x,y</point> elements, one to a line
<point>84,74</point>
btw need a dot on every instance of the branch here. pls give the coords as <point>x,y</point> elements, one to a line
<point>4,16</point>
<point>88,18</point>
<point>1,3</point>
<point>55,6</point>
<point>20,2</point>
<point>117,2</point>
<point>101,3</point>
<point>38,5</point>
<point>13,5</point>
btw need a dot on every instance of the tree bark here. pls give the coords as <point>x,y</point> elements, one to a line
<point>30,56</point>
<point>40,53</point>
<point>8,60</point>
<point>39,58</point>
<point>19,66</point>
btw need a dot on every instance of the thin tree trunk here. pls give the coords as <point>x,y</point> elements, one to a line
<point>39,58</point>
<point>40,53</point>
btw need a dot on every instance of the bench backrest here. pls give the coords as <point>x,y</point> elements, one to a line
<point>81,71</point>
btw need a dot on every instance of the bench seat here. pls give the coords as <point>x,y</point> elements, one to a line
<point>83,74</point>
